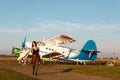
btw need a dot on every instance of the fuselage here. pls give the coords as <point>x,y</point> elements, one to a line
<point>66,52</point>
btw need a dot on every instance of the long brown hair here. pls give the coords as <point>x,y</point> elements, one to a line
<point>34,43</point>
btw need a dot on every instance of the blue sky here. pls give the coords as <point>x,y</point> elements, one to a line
<point>81,19</point>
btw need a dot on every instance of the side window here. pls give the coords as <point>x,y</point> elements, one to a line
<point>52,49</point>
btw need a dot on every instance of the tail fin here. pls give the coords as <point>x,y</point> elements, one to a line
<point>88,52</point>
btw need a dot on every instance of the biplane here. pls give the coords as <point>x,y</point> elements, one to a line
<point>54,48</point>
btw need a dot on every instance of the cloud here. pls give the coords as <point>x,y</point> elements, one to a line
<point>77,26</point>
<point>10,30</point>
<point>61,27</point>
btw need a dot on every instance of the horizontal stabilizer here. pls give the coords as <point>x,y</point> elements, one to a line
<point>90,51</point>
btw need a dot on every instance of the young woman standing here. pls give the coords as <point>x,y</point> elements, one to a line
<point>35,57</point>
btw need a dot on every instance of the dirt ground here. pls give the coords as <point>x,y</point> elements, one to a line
<point>48,72</point>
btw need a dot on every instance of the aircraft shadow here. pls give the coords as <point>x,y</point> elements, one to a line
<point>55,72</point>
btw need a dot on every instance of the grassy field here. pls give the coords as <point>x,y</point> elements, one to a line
<point>94,70</point>
<point>6,74</point>
<point>104,71</point>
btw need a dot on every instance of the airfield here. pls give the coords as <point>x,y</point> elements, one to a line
<point>61,71</point>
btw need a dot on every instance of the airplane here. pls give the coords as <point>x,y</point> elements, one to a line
<point>54,48</point>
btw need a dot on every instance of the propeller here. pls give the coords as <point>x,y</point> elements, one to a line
<point>23,43</point>
<point>12,50</point>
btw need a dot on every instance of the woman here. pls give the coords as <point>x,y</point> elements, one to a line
<point>35,57</point>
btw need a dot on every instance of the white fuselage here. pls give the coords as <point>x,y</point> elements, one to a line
<point>46,49</point>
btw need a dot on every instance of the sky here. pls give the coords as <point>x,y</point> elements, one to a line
<point>83,20</point>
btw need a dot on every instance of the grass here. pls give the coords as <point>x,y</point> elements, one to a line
<point>8,59</point>
<point>104,71</point>
<point>94,70</point>
<point>7,74</point>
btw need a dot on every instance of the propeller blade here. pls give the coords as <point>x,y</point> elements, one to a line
<point>12,50</point>
<point>23,43</point>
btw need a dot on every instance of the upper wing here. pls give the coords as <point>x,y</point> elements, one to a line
<point>59,40</point>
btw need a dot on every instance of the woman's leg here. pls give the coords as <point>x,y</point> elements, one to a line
<point>33,69</point>
<point>36,68</point>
